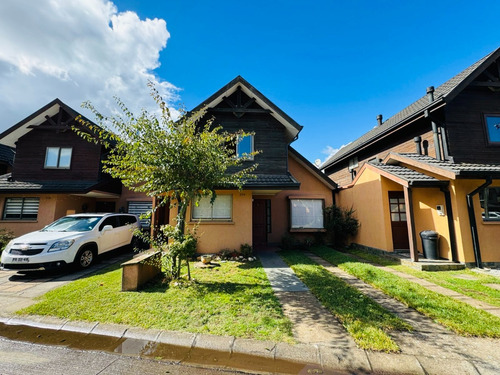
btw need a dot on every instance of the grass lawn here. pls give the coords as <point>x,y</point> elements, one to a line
<point>456,315</point>
<point>233,299</point>
<point>366,321</point>
<point>448,279</point>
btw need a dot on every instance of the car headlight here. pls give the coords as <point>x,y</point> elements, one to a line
<point>61,245</point>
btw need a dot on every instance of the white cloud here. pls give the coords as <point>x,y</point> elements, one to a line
<point>330,151</point>
<point>76,50</point>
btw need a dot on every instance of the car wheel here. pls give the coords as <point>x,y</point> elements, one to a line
<point>85,258</point>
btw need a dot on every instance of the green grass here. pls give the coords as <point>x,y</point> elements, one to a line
<point>448,279</point>
<point>366,321</point>
<point>233,299</point>
<point>458,316</point>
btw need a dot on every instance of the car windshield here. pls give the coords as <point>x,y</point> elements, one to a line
<point>73,224</point>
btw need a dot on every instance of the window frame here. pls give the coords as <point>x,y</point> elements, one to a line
<point>487,128</point>
<point>22,209</point>
<point>211,218</point>
<point>485,202</point>
<point>297,228</point>
<point>246,156</point>
<point>59,150</point>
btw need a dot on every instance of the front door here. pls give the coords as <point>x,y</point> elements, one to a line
<point>259,227</point>
<point>398,220</point>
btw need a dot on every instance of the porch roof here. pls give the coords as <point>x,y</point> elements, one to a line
<point>265,181</point>
<point>446,168</point>
<point>407,176</point>
<point>7,186</point>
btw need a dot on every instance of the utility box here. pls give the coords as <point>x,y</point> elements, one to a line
<point>430,244</point>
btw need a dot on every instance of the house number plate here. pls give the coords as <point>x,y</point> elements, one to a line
<point>21,260</point>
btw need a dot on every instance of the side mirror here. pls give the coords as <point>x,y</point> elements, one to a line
<point>107,228</point>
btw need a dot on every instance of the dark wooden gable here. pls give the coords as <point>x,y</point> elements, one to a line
<point>465,118</point>
<point>55,131</point>
<point>239,111</point>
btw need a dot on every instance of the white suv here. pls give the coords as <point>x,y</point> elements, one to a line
<point>74,239</point>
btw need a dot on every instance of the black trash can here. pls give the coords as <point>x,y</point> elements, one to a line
<point>430,244</point>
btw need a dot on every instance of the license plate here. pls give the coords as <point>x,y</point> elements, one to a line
<point>20,260</point>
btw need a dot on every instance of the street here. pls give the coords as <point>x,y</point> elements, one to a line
<point>21,358</point>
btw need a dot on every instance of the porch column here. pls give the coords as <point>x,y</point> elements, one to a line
<point>411,224</point>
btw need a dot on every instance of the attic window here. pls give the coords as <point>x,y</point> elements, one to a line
<point>492,123</point>
<point>244,147</point>
<point>58,157</point>
<point>490,203</point>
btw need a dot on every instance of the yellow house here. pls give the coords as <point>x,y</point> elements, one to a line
<point>287,197</point>
<point>433,166</point>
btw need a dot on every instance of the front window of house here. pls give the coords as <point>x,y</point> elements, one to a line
<point>221,209</point>
<point>493,128</point>
<point>58,157</point>
<point>21,208</point>
<point>490,203</point>
<point>306,213</point>
<point>244,147</point>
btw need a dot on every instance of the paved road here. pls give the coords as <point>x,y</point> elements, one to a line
<point>20,358</point>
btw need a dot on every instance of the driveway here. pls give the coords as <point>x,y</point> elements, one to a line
<point>18,290</point>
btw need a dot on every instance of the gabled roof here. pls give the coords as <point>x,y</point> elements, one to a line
<point>442,94</point>
<point>292,127</point>
<point>444,168</point>
<point>409,176</point>
<point>11,135</point>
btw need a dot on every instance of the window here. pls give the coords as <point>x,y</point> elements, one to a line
<point>490,203</point>
<point>353,163</point>
<point>58,157</point>
<point>21,208</point>
<point>244,147</point>
<point>493,128</point>
<point>138,208</point>
<point>306,213</point>
<point>221,209</point>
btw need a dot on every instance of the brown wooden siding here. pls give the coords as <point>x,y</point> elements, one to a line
<point>466,131</point>
<point>30,156</point>
<point>402,142</point>
<point>270,136</point>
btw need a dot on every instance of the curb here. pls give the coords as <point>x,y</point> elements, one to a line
<point>229,352</point>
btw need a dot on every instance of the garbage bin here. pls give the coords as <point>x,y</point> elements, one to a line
<point>430,244</point>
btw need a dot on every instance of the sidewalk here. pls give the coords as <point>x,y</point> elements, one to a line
<point>324,346</point>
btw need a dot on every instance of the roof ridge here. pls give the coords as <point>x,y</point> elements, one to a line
<point>442,91</point>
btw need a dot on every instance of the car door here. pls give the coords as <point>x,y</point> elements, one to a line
<point>108,239</point>
<point>127,224</point>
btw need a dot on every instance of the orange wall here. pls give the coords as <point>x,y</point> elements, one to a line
<point>215,236</point>
<point>369,198</point>
<point>310,187</point>
<point>488,232</point>
<point>427,217</point>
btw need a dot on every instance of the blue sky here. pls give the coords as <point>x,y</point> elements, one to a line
<point>332,66</point>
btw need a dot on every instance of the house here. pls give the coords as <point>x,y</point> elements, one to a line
<point>435,165</point>
<point>286,198</point>
<point>55,172</point>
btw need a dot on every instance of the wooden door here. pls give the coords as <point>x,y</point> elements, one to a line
<point>399,225</point>
<point>259,226</point>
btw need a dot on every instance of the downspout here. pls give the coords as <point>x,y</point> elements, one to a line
<point>451,224</point>
<point>472,220</point>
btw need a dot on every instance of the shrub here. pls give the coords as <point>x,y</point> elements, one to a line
<point>5,237</point>
<point>340,224</point>
<point>226,254</point>
<point>246,250</point>
<point>289,242</point>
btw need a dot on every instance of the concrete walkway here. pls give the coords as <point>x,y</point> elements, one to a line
<point>312,323</point>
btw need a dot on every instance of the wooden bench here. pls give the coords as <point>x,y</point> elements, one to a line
<point>140,270</point>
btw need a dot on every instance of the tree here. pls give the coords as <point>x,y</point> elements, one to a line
<point>175,161</point>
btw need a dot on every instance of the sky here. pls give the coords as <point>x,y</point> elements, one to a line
<point>332,66</point>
